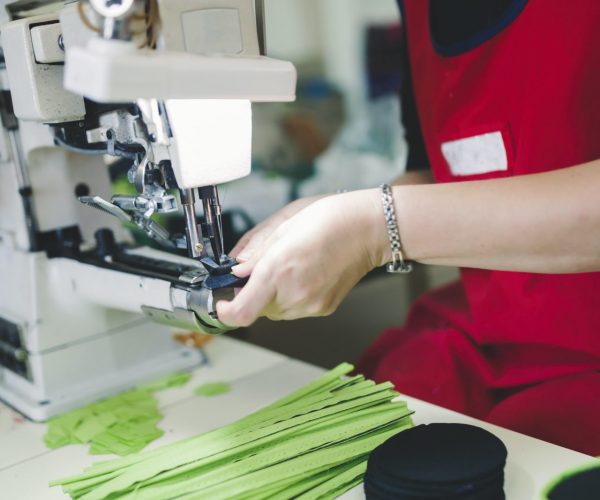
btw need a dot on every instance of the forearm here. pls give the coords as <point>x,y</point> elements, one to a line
<point>254,238</point>
<point>413,178</point>
<point>546,223</point>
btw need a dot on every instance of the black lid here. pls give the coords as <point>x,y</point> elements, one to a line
<point>582,485</point>
<point>438,461</point>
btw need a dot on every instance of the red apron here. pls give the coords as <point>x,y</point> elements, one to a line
<point>517,349</point>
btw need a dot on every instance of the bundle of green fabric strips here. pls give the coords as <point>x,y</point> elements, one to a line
<point>313,443</point>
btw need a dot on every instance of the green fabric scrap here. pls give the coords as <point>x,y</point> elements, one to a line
<point>125,438</point>
<point>89,428</point>
<point>120,425</point>
<point>212,389</point>
<point>175,380</point>
<point>313,443</point>
<point>57,436</point>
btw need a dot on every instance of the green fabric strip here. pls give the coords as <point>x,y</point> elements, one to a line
<point>324,410</point>
<point>344,480</point>
<point>302,467</point>
<point>247,422</point>
<point>263,458</point>
<point>275,435</point>
<point>313,443</point>
<point>296,488</point>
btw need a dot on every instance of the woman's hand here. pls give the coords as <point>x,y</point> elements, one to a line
<point>539,223</point>
<point>308,263</point>
<point>253,239</point>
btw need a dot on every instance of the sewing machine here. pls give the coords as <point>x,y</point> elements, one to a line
<point>167,86</point>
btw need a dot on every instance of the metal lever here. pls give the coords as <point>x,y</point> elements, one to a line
<point>142,220</point>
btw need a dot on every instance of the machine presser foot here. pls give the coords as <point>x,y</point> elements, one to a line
<point>220,275</point>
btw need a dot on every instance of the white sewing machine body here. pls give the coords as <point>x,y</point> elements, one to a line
<point>82,313</point>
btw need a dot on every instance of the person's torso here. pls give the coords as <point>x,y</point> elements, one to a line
<point>520,97</point>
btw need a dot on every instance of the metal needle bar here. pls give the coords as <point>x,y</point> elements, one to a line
<point>192,230</point>
<point>214,225</point>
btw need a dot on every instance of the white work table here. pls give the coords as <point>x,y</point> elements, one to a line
<point>257,377</point>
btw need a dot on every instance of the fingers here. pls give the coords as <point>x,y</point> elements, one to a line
<point>250,243</point>
<point>244,269</point>
<point>249,303</point>
<point>246,254</point>
<point>256,245</point>
<point>253,239</point>
<point>242,243</point>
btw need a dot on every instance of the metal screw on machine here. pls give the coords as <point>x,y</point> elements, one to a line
<point>112,8</point>
<point>115,14</point>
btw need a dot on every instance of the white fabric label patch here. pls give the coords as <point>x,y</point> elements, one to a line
<point>479,154</point>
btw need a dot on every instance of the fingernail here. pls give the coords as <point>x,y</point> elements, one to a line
<point>244,256</point>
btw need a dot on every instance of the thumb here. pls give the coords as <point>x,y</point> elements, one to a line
<point>244,269</point>
<point>246,265</point>
<point>248,304</point>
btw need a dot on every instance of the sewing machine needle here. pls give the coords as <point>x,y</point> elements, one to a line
<point>214,225</point>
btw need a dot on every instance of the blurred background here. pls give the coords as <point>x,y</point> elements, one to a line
<point>344,130</point>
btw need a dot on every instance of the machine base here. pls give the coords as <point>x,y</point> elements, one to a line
<point>41,411</point>
<point>109,364</point>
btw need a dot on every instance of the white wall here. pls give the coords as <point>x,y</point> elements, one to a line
<point>293,29</point>
<point>329,30</point>
<point>343,28</point>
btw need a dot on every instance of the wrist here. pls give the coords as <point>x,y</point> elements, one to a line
<point>365,223</point>
<point>399,264</point>
<point>389,227</point>
<point>374,232</point>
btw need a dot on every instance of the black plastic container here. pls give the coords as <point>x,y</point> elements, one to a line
<point>580,484</point>
<point>438,462</point>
